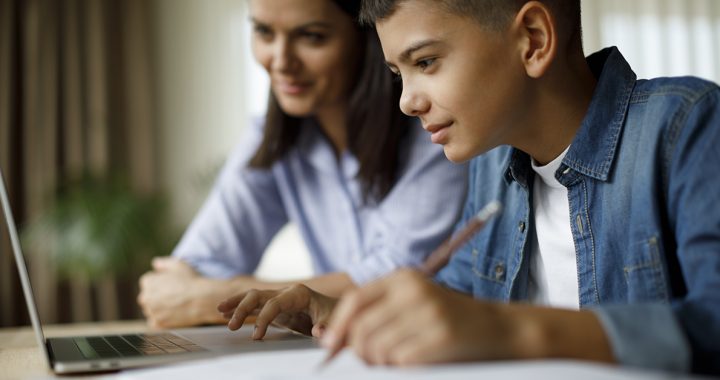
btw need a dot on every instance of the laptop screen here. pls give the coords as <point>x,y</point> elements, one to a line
<point>22,268</point>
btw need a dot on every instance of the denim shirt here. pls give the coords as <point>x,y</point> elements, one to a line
<point>643,180</point>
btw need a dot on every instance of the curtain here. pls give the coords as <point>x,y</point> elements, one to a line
<point>75,96</point>
<point>658,37</point>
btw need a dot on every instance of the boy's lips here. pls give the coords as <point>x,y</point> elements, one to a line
<point>439,132</point>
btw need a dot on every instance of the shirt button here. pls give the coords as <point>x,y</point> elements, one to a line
<point>499,271</point>
<point>521,226</point>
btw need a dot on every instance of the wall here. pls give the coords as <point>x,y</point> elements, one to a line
<point>658,37</point>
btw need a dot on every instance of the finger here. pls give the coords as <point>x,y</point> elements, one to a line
<point>372,323</point>
<point>416,348</point>
<point>293,300</point>
<point>394,332</point>
<point>231,303</point>
<point>169,263</point>
<point>272,308</point>
<point>320,308</point>
<point>251,301</point>
<point>250,318</point>
<point>146,279</point>
<point>350,305</point>
<point>140,299</point>
<point>163,263</point>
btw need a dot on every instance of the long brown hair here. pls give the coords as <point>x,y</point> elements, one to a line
<point>376,126</point>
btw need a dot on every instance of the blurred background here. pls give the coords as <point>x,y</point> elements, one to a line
<point>115,116</point>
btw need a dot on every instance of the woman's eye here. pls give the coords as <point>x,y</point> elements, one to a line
<point>313,37</point>
<point>263,31</point>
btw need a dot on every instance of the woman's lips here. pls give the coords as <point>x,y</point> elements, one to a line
<point>292,88</point>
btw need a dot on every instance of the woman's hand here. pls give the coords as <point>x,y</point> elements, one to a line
<point>174,295</point>
<point>297,307</point>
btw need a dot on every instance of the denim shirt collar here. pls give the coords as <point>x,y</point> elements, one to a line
<point>593,149</point>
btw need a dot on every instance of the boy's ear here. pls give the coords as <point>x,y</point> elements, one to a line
<point>535,27</point>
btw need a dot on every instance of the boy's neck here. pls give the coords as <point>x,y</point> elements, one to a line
<point>561,101</point>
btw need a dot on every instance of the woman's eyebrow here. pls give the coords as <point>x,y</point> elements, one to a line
<point>321,24</point>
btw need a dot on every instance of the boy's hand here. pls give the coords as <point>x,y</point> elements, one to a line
<point>406,319</point>
<point>297,307</point>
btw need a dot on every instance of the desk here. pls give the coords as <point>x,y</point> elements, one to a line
<point>20,356</point>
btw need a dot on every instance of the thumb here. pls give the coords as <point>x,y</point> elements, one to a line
<point>162,263</point>
<point>169,263</point>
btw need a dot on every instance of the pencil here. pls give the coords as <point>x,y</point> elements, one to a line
<point>440,256</point>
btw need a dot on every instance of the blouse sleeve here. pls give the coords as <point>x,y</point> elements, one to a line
<point>239,218</point>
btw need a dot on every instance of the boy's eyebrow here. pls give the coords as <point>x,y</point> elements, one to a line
<point>405,55</point>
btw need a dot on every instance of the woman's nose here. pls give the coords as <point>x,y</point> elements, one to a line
<point>283,59</point>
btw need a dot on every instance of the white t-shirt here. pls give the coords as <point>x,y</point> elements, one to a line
<point>553,266</point>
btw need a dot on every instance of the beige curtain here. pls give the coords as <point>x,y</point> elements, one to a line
<point>658,37</point>
<point>75,95</point>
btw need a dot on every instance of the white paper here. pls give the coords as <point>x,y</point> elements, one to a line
<point>305,364</point>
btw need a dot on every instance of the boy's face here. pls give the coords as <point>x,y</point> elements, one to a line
<point>467,84</point>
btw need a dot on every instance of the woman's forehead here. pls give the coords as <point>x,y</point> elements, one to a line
<point>293,12</point>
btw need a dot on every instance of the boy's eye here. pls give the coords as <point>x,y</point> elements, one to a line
<point>424,64</point>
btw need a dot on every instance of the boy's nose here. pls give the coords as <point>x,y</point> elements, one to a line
<point>413,103</point>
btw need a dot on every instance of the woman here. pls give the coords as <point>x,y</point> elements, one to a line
<point>334,155</point>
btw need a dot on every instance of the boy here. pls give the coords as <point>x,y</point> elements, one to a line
<point>608,248</point>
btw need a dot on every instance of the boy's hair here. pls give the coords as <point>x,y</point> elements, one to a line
<point>492,14</point>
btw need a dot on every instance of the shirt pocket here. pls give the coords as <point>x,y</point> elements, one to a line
<point>644,272</point>
<point>488,268</point>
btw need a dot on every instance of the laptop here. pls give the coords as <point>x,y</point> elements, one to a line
<point>100,353</point>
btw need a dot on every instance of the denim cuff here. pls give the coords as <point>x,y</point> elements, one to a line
<point>646,335</point>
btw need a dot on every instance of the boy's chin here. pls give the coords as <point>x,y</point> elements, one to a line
<point>455,155</point>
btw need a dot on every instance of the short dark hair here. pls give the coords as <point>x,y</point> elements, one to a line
<point>493,14</point>
<point>376,128</point>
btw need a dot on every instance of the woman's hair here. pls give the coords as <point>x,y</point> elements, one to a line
<point>375,124</point>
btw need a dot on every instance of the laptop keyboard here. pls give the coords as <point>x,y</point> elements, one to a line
<point>116,346</point>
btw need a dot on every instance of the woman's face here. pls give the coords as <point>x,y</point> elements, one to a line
<point>310,50</point>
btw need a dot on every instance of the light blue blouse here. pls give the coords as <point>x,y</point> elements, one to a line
<point>322,196</point>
